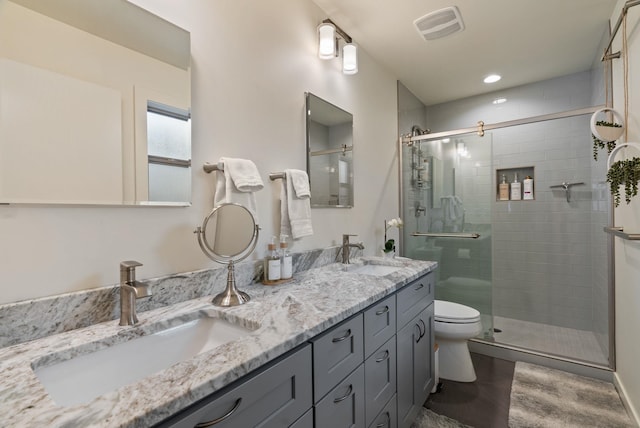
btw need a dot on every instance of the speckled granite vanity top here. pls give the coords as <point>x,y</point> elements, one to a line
<point>281,317</point>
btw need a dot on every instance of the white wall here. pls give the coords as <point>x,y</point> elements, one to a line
<point>627,253</point>
<point>252,63</point>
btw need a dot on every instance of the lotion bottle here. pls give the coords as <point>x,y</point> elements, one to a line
<point>503,189</point>
<point>272,262</point>
<point>527,188</point>
<point>286,262</point>
<point>516,189</point>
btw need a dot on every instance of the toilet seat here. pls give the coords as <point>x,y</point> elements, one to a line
<point>455,313</point>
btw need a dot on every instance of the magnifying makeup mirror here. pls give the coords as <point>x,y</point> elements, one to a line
<point>228,235</point>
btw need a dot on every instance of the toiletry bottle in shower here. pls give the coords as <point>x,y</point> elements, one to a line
<point>527,188</point>
<point>516,189</point>
<point>503,189</point>
<point>272,262</point>
<point>286,265</point>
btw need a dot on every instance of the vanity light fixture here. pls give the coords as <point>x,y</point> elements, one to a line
<point>326,40</point>
<point>329,35</point>
<point>350,59</point>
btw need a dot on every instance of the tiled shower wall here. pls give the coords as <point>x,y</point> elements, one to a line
<point>548,262</point>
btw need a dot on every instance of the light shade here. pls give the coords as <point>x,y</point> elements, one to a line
<point>350,59</point>
<point>327,41</point>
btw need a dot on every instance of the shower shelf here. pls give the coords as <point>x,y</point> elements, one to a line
<point>619,232</point>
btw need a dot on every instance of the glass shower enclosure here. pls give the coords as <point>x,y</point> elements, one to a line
<point>536,269</point>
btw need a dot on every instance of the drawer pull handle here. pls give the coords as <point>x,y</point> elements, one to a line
<point>344,397</point>
<point>221,418</point>
<point>385,424</point>
<point>383,311</point>
<point>423,330</point>
<point>341,338</point>
<point>421,285</point>
<point>385,357</point>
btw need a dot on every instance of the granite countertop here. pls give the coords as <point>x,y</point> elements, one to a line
<point>281,317</point>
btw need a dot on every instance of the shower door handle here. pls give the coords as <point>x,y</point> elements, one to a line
<point>447,235</point>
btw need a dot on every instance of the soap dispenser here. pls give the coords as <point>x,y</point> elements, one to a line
<point>503,189</point>
<point>272,262</point>
<point>286,262</point>
<point>516,189</point>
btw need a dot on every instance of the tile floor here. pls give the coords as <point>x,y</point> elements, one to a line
<point>566,342</point>
<point>481,404</point>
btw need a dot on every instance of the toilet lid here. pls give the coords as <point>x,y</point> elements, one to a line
<point>454,312</point>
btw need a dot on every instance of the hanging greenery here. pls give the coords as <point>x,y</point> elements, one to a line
<point>601,144</point>
<point>625,173</point>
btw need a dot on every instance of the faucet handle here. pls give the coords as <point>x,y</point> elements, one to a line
<point>129,264</point>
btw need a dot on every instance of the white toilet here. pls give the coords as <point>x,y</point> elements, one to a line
<point>454,325</point>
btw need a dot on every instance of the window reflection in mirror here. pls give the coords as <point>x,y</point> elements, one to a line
<point>329,154</point>
<point>169,153</point>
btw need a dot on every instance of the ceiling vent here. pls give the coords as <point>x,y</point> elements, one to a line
<point>440,23</point>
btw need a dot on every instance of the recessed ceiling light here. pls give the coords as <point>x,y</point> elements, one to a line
<point>499,100</point>
<point>492,78</point>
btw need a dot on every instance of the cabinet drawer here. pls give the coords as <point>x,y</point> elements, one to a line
<point>413,298</point>
<point>379,324</point>
<point>380,379</point>
<point>305,421</point>
<point>344,405</point>
<point>387,418</point>
<point>275,397</point>
<point>337,353</point>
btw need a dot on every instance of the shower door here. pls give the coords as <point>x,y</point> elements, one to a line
<point>446,185</point>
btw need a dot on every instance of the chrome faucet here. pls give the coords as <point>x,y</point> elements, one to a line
<point>130,290</point>
<point>346,245</point>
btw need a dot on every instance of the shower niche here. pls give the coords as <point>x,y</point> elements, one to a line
<point>505,179</point>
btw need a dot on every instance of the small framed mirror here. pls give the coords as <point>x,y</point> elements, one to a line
<point>227,235</point>
<point>329,154</point>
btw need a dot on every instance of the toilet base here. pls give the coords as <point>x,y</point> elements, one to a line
<point>455,361</point>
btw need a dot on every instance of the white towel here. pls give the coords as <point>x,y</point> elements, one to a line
<point>295,212</point>
<point>300,181</point>
<point>234,175</point>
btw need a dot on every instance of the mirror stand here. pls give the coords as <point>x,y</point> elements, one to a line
<point>236,238</point>
<point>231,296</point>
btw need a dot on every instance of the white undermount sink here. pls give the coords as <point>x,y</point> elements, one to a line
<point>85,377</point>
<point>374,270</point>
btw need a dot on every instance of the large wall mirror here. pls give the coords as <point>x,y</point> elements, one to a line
<point>329,154</point>
<point>94,104</point>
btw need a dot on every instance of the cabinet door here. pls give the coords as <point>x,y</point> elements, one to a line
<point>344,405</point>
<point>379,324</point>
<point>415,366</point>
<point>276,397</point>
<point>337,353</point>
<point>413,298</point>
<point>380,379</point>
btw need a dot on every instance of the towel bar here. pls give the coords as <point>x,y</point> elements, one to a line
<point>619,232</point>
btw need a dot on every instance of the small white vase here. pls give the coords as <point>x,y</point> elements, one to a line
<point>389,255</point>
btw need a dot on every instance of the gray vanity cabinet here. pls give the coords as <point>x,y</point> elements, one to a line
<point>387,418</point>
<point>380,379</point>
<point>336,353</point>
<point>344,405</point>
<point>379,324</point>
<point>415,343</point>
<point>276,396</point>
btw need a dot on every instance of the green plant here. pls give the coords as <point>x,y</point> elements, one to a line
<point>624,173</point>
<point>600,144</point>
<point>390,244</point>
